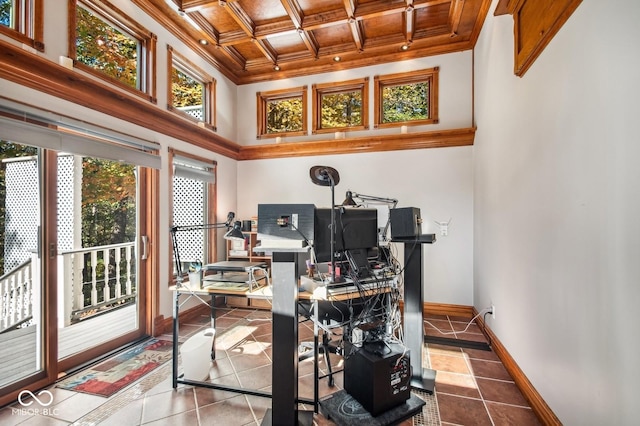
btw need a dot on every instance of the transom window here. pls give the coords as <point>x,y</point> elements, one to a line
<point>192,91</point>
<point>406,98</point>
<point>107,43</point>
<point>282,112</point>
<point>22,20</point>
<point>341,106</point>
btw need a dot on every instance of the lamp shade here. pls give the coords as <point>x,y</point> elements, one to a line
<point>235,233</point>
<point>349,201</point>
<point>324,175</point>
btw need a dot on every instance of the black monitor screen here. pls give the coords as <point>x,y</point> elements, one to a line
<point>356,229</point>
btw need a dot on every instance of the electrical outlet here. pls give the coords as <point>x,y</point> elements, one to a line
<point>294,220</point>
<point>493,311</point>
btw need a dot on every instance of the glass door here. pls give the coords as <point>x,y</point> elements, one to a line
<point>23,354</point>
<point>99,296</point>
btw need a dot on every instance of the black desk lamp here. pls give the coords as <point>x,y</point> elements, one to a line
<point>328,176</point>
<point>234,233</point>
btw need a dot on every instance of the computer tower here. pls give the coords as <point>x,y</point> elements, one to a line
<point>405,222</point>
<point>377,375</point>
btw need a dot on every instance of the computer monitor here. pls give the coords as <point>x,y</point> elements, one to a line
<point>356,232</point>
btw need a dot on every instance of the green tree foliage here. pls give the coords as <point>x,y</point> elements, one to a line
<point>108,202</point>
<point>186,91</point>
<point>6,7</point>
<point>405,102</point>
<point>105,48</point>
<point>284,115</point>
<point>341,110</point>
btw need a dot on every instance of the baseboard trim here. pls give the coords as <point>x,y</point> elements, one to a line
<point>166,324</point>
<point>538,405</point>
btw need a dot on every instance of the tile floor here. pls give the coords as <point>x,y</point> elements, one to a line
<point>472,386</point>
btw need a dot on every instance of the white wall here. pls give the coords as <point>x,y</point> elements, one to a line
<point>438,181</point>
<point>557,201</point>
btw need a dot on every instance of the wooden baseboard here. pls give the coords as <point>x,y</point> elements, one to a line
<point>166,324</point>
<point>538,405</point>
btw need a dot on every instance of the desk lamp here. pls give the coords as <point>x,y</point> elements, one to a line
<point>234,233</point>
<point>328,176</point>
<point>351,197</point>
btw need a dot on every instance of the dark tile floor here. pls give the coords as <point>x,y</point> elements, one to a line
<point>472,385</point>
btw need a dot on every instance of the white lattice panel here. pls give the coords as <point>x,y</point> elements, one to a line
<point>22,211</point>
<point>188,209</point>
<point>65,202</point>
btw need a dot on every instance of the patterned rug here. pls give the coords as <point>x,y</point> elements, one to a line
<point>120,371</point>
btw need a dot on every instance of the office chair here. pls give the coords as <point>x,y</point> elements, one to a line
<point>331,315</point>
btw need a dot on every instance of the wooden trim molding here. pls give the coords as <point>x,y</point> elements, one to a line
<point>538,405</point>
<point>419,140</point>
<point>36,72</point>
<point>535,23</point>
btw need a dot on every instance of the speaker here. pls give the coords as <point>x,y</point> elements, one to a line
<point>405,222</point>
<point>378,375</point>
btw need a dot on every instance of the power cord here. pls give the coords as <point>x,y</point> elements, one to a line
<point>482,312</point>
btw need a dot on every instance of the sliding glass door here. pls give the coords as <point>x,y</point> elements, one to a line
<point>22,320</point>
<point>75,267</point>
<point>98,255</point>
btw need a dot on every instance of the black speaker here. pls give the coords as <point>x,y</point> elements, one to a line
<point>378,375</point>
<point>405,222</point>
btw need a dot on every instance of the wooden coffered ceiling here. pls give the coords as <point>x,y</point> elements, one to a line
<point>260,40</point>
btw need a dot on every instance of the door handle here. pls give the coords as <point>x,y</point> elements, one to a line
<point>145,243</point>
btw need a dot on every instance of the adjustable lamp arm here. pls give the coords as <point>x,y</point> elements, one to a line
<point>234,233</point>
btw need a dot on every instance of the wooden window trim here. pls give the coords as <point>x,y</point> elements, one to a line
<point>420,76</point>
<point>319,90</point>
<point>29,31</point>
<point>176,60</point>
<point>263,98</point>
<point>212,193</point>
<point>147,40</point>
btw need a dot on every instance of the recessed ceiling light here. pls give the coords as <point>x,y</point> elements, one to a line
<point>203,42</point>
<point>337,58</point>
<point>405,47</point>
<point>276,68</point>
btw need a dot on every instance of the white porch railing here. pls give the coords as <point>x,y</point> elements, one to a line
<point>16,290</point>
<point>92,280</point>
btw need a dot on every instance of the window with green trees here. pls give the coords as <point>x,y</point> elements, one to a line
<point>6,13</point>
<point>406,98</point>
<point>340,106</point>
<point>282,112</point>
<point>192,91</point>
<point>110,45</point>
<point>22,20</point>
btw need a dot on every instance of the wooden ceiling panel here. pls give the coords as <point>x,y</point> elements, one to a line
<point>287,43</point>
<point>433,17</point>
<point>335,35</point>
<point>384,26</point>
<point>314,7</point>
<point>303,36</point>
<point>263,11</point>
<point>223,21</point>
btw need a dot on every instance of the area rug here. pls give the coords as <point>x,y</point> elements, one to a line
<point>121,370</point>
